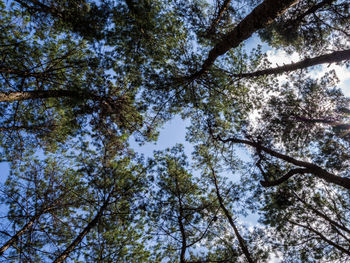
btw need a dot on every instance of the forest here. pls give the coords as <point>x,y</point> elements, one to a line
<point>85,84</point>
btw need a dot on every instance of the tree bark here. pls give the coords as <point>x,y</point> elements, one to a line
<point>84,232</point>
<point>27,226</point>
<point>16,236</point>
<point>241,240</point>
<point>334,57</point>
<point>263,15</point>
<point>182,228</point>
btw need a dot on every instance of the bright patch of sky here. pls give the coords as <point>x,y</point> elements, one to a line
<point>4,172</point>
<point>173,132</point>
<point>280,57</point>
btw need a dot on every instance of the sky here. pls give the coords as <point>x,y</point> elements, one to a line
<point>4,171</point>
<point>174,131</point>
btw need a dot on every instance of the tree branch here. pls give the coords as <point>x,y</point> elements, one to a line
<point>284,178</point>
<point>330,242</point>
<point>312,168</point>
<point>217,19</point>
<point>261,16</point>
<point>85,231</point>
<point>334,57</point>
<point>241,240</point>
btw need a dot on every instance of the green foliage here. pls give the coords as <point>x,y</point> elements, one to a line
<point>81,79</point>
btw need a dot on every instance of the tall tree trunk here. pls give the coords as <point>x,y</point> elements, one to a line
<point>16,236</point>
<point>84,232</point>
<point>27,226</point>
<point>183,240</point>
<point>263,15</point>
<point>334,57</point>
<point>182,228</point>
<point>231,221</point>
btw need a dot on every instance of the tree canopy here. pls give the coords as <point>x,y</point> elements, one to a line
<point>81,80</point>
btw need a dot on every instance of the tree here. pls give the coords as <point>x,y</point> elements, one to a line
<point>39,194</point>
<point>65,207</point>
<point>110,210</point>
<point>180,211</point>
<point>59,77</point>
<point>79,79</point>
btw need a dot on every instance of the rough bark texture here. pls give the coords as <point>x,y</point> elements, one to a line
<point>241,240</point>
<point>334,57</point>
<point>263,15</point>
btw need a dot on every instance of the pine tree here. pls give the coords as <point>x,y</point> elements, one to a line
<point>81,79</point>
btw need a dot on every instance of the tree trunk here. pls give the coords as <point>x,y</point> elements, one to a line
<point>27,226</point>
<point>334,57</point>
<point>263,15</point>
<point>16,236</point>
<point>230,220</point>
<point>182,228</point>
<point>83,233</point>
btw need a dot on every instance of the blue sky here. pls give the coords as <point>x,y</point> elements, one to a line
<point>4,171</point>
<point>174,131</point>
